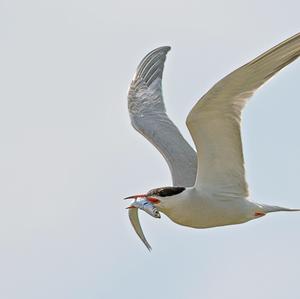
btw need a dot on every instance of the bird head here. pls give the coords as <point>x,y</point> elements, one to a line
<point>151,202</point>
<point>157,195</point>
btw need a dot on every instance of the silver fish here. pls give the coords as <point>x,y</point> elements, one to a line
<point>146,206</point>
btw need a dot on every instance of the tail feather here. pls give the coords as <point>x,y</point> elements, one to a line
<point>271,209</point>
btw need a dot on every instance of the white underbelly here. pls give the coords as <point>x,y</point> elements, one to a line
<point>210,213</point>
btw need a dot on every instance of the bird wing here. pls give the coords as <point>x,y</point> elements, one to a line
<point>134,219</point>
<point>214,122</point>
<point>148,116</point>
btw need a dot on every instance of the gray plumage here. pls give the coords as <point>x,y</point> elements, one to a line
<point>148,116</point>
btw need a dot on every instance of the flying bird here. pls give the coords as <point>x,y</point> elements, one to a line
<point>209,187</point>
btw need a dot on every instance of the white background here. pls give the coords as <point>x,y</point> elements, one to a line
<point>68,154</point>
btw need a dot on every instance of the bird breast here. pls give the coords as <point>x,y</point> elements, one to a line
<point>205,212</point>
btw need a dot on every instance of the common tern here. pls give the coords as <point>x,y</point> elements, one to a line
<point>209,187</point>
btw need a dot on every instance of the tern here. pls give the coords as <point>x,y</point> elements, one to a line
<point>209,187</point>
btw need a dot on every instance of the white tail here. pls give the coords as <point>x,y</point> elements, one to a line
<point>271,209</point>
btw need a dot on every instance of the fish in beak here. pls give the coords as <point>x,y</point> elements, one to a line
<point>145,205</point>
<point>148,198</point>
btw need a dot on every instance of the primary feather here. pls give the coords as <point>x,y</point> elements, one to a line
<point>148,116</point>
<point>214,122</point>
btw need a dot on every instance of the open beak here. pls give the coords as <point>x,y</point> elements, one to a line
<point>150,199</point>
<point>136,196</point>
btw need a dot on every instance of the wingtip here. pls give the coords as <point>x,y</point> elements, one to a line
<point>152,65</point>
<point>159,50</point>
<point>166,49</point>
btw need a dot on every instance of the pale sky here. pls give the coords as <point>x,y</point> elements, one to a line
<point>68,154</point>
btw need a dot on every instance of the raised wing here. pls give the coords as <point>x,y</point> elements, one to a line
<point>148,116</point>
<point>214,122</point>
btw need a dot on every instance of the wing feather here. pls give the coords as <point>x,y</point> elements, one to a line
<point>148,116</point>
<point>214,122</point>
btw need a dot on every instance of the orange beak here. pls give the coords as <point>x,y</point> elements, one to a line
<point>150,199</point>
<point>153,199</point>
<point>136,196</point>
